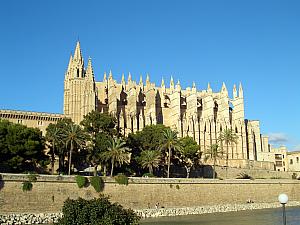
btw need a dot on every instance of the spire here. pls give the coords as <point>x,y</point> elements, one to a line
<point>89,70</point>
<point>172,83</point>
<point>77,54</point>
<point>70,62</point>
<point>141,80</point>
<point>241,92</point>
<point>110,76</point>
<point>234,91</point>
<point>209,90</point>
<point>178,87</point>
<point>104,77</point>
<point>194,89</point>
<point>129,77</point>
<point>147,78</point>
<point>224,89</point>
<point>123,80</point>
<point>162,82</point>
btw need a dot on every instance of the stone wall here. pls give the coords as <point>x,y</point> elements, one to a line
<point>49,192</point>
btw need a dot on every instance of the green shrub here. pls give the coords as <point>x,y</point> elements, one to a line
<point>148,175</point>
<point>27,186</point>
<point>96,211</point>
<point>32,177</point>
<point>121,179</point>
<point>171,185</point>
<point>81,181</point>
<point>97,183</point>
<point>177,187</point>
<point>294,176</point>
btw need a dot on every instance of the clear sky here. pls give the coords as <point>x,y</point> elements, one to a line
<point>255,42</point>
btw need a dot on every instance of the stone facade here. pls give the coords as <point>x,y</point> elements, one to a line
<point>201,114</point>
<point>49,192</point>
<point>31,119</point>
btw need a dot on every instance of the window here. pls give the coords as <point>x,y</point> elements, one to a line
<point>20,121</point>
<point>291,161</point>
<point>278,163</point>
<point>297,159</point>
<point>40,123</point>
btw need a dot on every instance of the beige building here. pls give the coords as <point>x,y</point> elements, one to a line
<point>293,161</point>
<point>31,119</point>
<point>200,114</point>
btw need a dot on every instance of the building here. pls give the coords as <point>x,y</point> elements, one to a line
<point>201,114</point>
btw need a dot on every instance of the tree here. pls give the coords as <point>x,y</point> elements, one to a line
<point>96,122</point>
<point>21,148</point>
<point>228,137</point>
<point>188,153</point>
<point>170,142</point>
<point>96,152</point>
<point>73,136</point>
<point>214,153</point>
<point>149,159</point>
<point>117,153</point>
<point>53,136</point>
<point>100,127</point>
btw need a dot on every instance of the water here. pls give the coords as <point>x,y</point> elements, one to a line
<point>254,217</point>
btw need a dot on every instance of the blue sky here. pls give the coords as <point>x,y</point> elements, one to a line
<point>254,42</point>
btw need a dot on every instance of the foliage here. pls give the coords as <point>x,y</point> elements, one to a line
<point>96,122</point>
<point>32,177</point>
<point>149,138</point>
<point>21,148</point>
<point>214,153</point>
<point>74,137</point>
<point>148,175</point>
<point>169,142</point>
<point>27,186</point>
<point>177,187</point>
<point>81,181</point>
<point>149,159</point>
<point>97,183</point>
<point>53,136</point>
<point>187,154</point>
<point>96,212</point>
<point>228,137</point>
<point>117,153</point>
<point>244,176</point>
<point>121,179</point>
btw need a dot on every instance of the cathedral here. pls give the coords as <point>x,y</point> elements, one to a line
<point>200,114</point>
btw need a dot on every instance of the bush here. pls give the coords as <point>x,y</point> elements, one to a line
<point>32,177</point>
<point>121,179</point>
<point>97,183</point>
<point>27,186</point>
<point>244,176</point>
<point>96,211</point>
<point>81,181</point>
<point>177,187</point>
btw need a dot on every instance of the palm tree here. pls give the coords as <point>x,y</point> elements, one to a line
<point>117,153</point>
<point>213,153</point>
<point>170,142</point>
<point>53,136</point>
<point>73,136</point>
<point>149,159</point>
<point>229,137</point>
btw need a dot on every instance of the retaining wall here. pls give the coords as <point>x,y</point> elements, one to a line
<point>49,192</point>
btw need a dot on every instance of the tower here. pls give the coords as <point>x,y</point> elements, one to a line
<point>79,87</point>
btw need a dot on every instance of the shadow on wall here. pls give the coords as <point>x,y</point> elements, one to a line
<point>197,172</point>
<point>1,182</point>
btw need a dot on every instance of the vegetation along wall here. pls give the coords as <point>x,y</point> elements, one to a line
<point>49,192</point>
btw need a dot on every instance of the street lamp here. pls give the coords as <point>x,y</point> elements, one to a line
<point>283,199</point>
